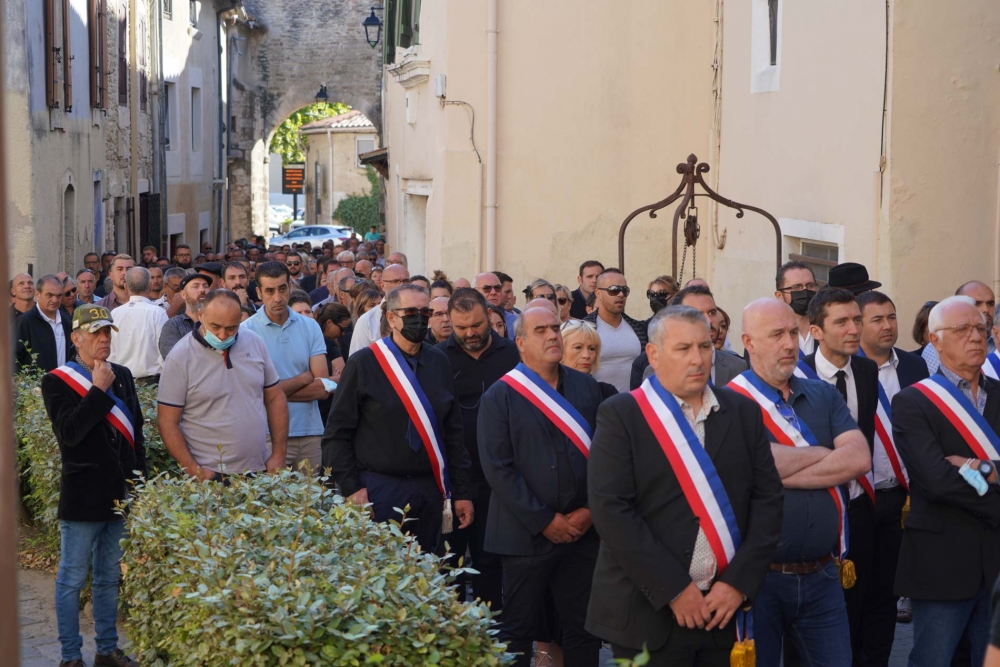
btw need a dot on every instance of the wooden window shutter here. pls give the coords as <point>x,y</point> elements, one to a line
<point>67,58</point>
<point>51,56</point>
<point>98,25</point>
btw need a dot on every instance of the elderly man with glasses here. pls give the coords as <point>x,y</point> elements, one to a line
<point>368,328</point>
<point>622,338</point>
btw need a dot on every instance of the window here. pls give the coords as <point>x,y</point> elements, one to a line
<point>168,10</point>
<point>98,28</point>
<point>365,145</point>
<point>765,45</point>
<point>58,54</point>
<point>122,56</point>
<point>170,126</point>
<point>772,22</point>
<point>402,26</point>
<point>67,59</point>
<point>193,13</point>
<point>143,59</point>
<point>819,257</point>
<point>196,120</point>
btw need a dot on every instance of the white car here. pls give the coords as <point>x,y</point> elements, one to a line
<point>315,234</point>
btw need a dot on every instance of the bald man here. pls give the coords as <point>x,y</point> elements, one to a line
<point>368,328</point>
<point>22,295</point>
<point>817,447</point>
<point>986,303</point>
<point>461,282</point>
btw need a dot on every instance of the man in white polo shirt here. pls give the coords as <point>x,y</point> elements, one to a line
<point>212,389</point>
<point>139,322</point>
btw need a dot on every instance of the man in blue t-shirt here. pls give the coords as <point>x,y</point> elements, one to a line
<point>372,235</point>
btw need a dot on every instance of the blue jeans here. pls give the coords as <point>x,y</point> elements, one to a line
<point>810,607</point>
<point>938,627</point>
<point>81,542</point>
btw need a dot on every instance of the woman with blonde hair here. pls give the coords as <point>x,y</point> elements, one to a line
<point>363,302</point>
<point>582,351</point>
<point>564,301</point>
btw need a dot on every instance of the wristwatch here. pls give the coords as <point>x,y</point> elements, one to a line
<point>985,469</point>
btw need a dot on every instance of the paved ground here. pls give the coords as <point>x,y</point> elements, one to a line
<point>40,643</point>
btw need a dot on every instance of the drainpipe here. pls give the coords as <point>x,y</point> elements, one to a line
<point>222,147</point>
<point>491,136</point>
<point>161,154</point>
<point>133,79</point>
<point>329,146</point>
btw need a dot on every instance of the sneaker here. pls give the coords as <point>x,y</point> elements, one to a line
<point>116,658</point>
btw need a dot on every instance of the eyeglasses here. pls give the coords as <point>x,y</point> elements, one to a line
<point>965,330</point>
<point>410,312</point>
<point>550,297</point>
<point>443,313</point>
<point>788,414</point>
<point>401,281</point>
<point>70,292</point>
<point>491,288</point>
<point>293,264</point>
<point>662,295</point>
<point>562,301</point>
<point>615,290</point>
<point>798,288</point>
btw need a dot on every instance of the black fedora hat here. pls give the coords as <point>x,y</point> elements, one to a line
<point>852,277</point>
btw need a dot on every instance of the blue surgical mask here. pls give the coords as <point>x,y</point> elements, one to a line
<point>214,341</point>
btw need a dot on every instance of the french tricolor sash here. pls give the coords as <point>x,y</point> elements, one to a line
<point>961,414</point>
<point>883,435</point>
<point>418,407</point>
<point>786,433</point>
<point>552,404</point>
<point>991,368</point>
<point>693,467</point>
<point>803,370</point>
<point>80,381</point>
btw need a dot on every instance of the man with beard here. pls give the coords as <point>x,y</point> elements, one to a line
<point>173,302</point>
<point>149,256</point>
<point>236,279</point>
<point>119,294</point>
<point>183,257</point>
<point>194,289</point>
<point>795,284</point>
<point>489,285</point>
<point>156,285</point>
<point>479,357</point>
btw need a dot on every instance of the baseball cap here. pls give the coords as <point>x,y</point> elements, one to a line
<point>195,276</point>
<point>90,318</point>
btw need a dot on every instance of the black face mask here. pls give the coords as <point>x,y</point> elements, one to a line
<point>656,305</point>
<point>414,328</point>
<point>801,300</point>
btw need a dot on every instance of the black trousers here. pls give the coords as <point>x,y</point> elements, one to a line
<point>878,616</point>
<point>861,524</point>
<point>386,492</point>
<point>566,571</point>
<point>488,584</point>
<point>688,648</point>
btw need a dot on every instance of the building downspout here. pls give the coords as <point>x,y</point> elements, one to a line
<point>221,148</point>
<point>491,136</point>
<point>161,157</point>
<point>133,106</point>
<point>329,145</point>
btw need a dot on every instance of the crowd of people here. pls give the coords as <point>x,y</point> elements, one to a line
<point>609,479</point>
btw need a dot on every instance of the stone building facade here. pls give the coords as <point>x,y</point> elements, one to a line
<point>333,169</point>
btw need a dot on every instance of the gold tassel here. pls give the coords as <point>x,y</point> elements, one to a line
<point>848,576</point>
<point>751,653</point>
<point>738,656</point>
<point>906,511</point>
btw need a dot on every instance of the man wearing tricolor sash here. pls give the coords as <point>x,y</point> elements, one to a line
<point>945,428</point>
<point>685,495</point>
<point>97,421</point>
<point>394,434</point>
<point>817,448</point>
<point>534,433</point>
<point>991,367</point>
<point>897,369</point>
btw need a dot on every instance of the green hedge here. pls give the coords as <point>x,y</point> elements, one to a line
<point>277,570</point>
<point>39,462</point>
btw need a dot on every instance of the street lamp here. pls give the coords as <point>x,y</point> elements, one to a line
<point>373,24</point>
<point>321,96</point>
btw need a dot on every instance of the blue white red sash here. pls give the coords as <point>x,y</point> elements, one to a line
<point>803,370</point>
<point>693,468</point>
<point>883,435</point>
<point>553,405</point>
<point>991,368</point>
<point>418,407</point>
<point>80,381</point>
<point>961,414</point>
<point>789,433</point>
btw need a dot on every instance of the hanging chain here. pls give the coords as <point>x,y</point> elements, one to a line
<point>694,262</point>
<point>680,278</point>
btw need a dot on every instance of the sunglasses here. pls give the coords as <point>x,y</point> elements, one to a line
<point>70,293</point>
<point>550,297</point>
<point>410,312</point>
<point>615,290</point>
<point>662,295</point>
<point>293,264</point>
<point>562,301</point>
<point>491,288</point>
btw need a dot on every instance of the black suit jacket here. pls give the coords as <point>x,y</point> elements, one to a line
<point>518,451</point>
<point>911,368</point>
<point>647,527</point>
<point>33,335</point>
<point>951,545</point>
<point>866,380</point>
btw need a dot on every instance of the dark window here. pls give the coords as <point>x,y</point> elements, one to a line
<point>772,17</point>
<point>143,73</point>
<point>53,56</point>
<point>122,56</point>
<point>67,59</point>
<point>168,8</point>
<point>193,13</point>
<point>98,45</point>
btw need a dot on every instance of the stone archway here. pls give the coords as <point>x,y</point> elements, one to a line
<point>290,50</point>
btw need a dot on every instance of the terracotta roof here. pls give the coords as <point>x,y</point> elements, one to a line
<point>352,120</point>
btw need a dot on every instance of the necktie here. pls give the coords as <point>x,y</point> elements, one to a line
<point>842,384</point>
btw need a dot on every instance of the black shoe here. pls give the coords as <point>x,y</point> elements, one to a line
<point>73,663</point>
<point>116,658</point>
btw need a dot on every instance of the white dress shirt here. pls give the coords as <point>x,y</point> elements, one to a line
<point>807,344</point>
<point>367,329</point>
<point>137,343</point>
<point>828,373</point>
<point>885,476</point>
<point>58,332</point>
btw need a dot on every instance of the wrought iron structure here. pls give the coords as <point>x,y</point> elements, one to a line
<point>691,175</point>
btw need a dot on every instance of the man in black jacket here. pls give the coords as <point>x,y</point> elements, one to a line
<point>97,421</point>
<point>657,581</point>
<point>950,554</point>
<point>43,332</point>
<point>535,462</point>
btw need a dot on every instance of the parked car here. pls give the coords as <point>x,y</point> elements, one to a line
<point>315,234</point>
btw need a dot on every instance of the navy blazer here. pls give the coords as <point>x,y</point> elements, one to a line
<point>517,449</point>
<point>911,368</point>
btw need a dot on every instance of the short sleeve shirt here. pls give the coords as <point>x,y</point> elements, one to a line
<point>290,347</point>
<point>222,398</point>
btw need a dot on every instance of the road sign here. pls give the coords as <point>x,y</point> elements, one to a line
<point>293,179</point>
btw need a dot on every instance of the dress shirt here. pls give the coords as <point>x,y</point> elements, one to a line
<point>136,345</point>
<point>57,331</point>
<point>930,355</point>
<point>703,564</point>
<point>965,387</point>
<point>885,477</point>
<point>828,373</point>
<point>367,329</point>
<point>712,375</point>
<point>110,301</point>
<point>806,343</point>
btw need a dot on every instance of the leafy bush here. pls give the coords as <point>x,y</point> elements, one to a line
<point>360,212</point>
<point>277,570</point>
<point>39,462</point>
